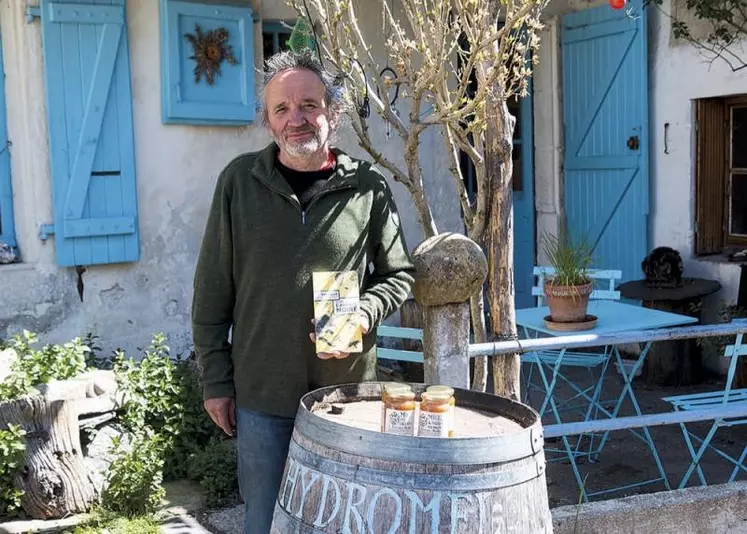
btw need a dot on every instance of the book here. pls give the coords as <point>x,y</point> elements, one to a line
<point>337,311</point>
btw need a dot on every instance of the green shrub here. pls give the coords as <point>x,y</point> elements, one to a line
<point>214,467</point>
<point>151,390</point>
<point>164,398</point>
<point>133,483</point>
<point>34,367</point>
<point>173,437</point>
<point>12,455</point>
<point>197,430</point>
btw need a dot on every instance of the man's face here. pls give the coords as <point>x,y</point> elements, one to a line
<point>298,117</point>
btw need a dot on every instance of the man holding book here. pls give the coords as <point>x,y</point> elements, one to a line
<point>296,207</point>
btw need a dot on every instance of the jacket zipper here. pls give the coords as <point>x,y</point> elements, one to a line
<point>297,205</point>
<point>321,194</point>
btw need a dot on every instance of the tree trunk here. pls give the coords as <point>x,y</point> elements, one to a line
<point>500,244</point>
<point>54,479</point>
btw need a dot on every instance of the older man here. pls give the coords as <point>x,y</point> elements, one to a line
<point>277,215</point>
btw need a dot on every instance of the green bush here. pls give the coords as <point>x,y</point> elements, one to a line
<point>214,467</point>
<point>164,398</point>
<point>12,454</point>
<point>133,483</point>
<point>197,430</point>
<point>173,437</point>
<point>34,367</point>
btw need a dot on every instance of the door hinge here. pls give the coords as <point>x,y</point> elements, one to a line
<point>46,230</point>
<point>32,13</point>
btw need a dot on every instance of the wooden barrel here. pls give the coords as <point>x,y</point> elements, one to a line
<point>343,475</point>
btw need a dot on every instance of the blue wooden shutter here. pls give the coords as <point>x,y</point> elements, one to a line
<point>7,233</point>
<point>92,154</point>
<point>605,115</point>
<point>231,99</point>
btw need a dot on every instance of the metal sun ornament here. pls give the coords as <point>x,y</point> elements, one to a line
<point>210,50</point>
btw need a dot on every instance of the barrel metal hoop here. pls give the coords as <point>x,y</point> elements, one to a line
<point>418,481</point>
<point>536,438</point>
<point>461,451</point>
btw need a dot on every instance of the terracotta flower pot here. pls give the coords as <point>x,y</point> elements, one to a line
<point>568,304</point>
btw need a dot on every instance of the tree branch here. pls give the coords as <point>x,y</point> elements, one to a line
<point>383,105</point>
<point>453,145</point>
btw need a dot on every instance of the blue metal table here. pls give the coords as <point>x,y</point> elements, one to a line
<point>612,317</point>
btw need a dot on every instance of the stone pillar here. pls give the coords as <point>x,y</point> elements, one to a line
<point>450,269</point>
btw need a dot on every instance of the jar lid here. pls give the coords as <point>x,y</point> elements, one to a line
<point>391,387</point>
<point>440,390</point>
<point>437,396</point>
<point>401,394</point>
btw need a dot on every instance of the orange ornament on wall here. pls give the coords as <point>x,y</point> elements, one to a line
<point>617,4</point>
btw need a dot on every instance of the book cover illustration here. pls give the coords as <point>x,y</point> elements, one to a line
<point>336,310</point>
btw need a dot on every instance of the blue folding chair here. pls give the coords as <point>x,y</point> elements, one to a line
<point>548,361</point>
<point>710,400</point>
<point>588,360</point>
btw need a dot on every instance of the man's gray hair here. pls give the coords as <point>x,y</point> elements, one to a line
<point>334,90</point>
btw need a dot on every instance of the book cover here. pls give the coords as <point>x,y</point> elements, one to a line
<point>336,310</point>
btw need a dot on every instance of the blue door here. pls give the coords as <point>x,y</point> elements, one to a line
<point>524,221</point>
<point>605,116</point>
<point>7,234</point>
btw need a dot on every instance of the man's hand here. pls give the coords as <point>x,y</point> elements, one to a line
<point>222,411</point>
<point>339,355</point>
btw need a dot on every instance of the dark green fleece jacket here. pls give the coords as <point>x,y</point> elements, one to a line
<point>253,278</point>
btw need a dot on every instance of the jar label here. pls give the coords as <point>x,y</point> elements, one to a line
<point>400,422</point>
<point>434,425</point>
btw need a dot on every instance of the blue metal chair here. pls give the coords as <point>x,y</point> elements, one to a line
<point>714,399</point>
<point>551,361</point>
<point>588,360</point>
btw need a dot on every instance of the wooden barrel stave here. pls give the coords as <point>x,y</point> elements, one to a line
<point>346,480</point>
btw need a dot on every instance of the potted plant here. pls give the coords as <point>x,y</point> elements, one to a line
<point>568,288</point>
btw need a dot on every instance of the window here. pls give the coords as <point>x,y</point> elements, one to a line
<point>275,37</point>
<point>721,175</point>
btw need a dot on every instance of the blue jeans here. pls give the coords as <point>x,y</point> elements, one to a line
<point>263,441</point>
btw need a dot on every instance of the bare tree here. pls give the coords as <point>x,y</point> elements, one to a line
<point>457,63</point>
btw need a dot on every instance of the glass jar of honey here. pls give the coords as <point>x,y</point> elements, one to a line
<point>399,412</point>
<point>436,417</point>
<point>386,389</point>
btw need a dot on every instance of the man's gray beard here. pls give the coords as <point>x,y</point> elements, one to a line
<point>305,148</point>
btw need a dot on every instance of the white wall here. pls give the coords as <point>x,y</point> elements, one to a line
<point>677,75</point>
<point>177,167</point>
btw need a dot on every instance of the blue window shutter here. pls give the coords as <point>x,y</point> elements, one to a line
<point>231,99</point>
<point>92,153</point>
<point>7,232</point>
